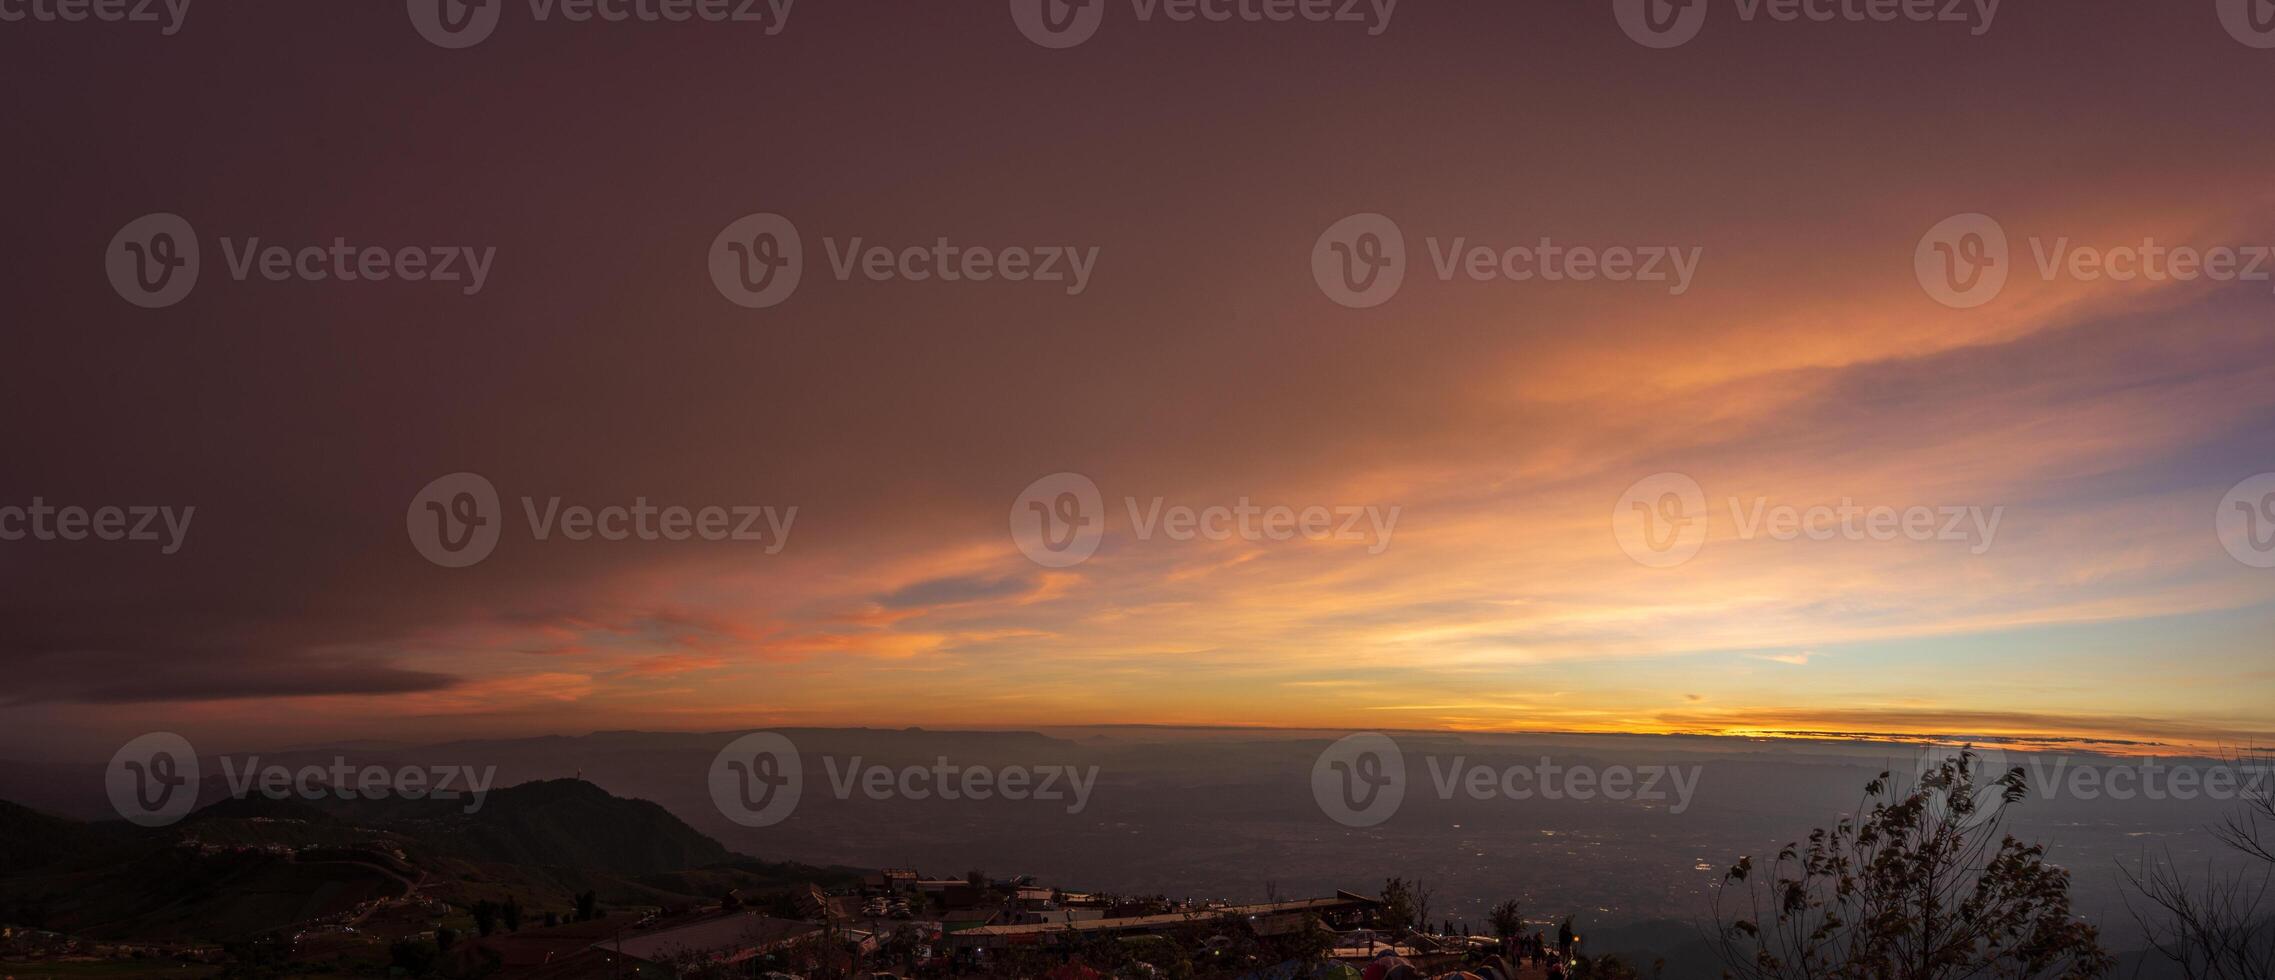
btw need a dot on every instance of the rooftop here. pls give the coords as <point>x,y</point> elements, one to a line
<point>1342,900</point>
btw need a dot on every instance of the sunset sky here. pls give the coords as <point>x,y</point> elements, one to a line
<point>1202,365</point>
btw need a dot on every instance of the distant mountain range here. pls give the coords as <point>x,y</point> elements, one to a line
<point>558,822</point>
<point>244,866</point>
<point>555,822</point>
<point>1208,814</point>
<point>29,838</point>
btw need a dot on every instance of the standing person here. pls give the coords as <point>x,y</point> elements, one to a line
<point>1564,939</point>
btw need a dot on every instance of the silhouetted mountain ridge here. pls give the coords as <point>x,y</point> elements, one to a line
<point>245,866</point>
<point>549,823</point>
<point>30,839</point>
<point>257,807</point>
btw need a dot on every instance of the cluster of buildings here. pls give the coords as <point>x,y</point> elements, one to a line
<point>194,845</point>
<point>289,852</point>
<point>19,943</point>
<point>649,946</point>
<point>1343,912</point>
<point>897,918</point>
